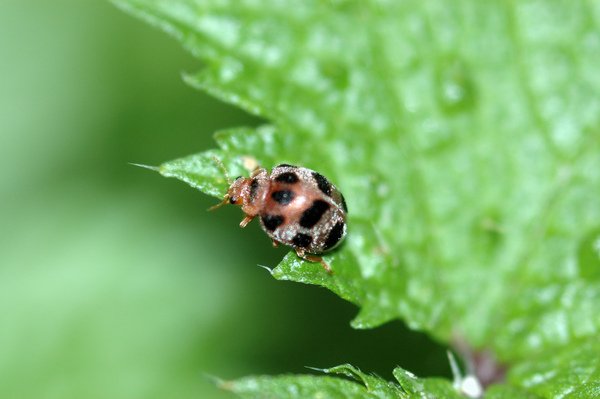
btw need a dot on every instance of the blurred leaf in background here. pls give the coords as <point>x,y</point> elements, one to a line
<point>465,136</point>
<point>114,283</point>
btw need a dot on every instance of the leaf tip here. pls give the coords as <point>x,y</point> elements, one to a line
<point>267,268</point>
<point>321,370</point>
<point>154,168</point>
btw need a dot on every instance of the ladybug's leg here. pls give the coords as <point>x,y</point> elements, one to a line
<point>275,243</point>
<point>246,220</point>
<point>313,258</point>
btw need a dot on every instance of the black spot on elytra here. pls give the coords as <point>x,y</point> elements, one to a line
<point>335,235</point>
<point>285,165</point>
<point>271,222</point>
<point>287,177</point>
<point>283,197</point>
<point>322,183</point>
<point>253,189</point>
<point>344,206</point>
<point>312,215</point>
<point>302,240</point>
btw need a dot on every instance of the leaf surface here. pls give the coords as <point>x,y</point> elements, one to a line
<point>355,384</point>
<point>464,135</point>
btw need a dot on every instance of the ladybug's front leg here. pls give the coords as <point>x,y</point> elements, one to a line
<point>313,258</point>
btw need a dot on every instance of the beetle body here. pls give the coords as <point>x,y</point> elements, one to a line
<point>296,206</point>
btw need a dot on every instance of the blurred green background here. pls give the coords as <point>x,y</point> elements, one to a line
<point>116,282</point>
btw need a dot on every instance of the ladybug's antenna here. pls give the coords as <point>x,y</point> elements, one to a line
<point>220,204</point>
<point>223,169</point>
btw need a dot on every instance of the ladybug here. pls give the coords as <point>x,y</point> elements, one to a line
<point>296,206</point>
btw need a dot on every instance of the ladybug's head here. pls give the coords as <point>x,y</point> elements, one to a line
<point>238,190</point>
<point>249,192</point>
<point>234,194</point>
<point>243,190</point>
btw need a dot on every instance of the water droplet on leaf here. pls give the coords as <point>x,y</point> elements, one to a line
<point>455,89</point>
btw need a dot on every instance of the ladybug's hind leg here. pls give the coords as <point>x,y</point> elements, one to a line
<point>313,258</point>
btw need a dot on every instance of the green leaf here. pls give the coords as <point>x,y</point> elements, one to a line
<point>571,372</point>
<point>356,385</point>
<point>425,387</point>
<point>464,135</point>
